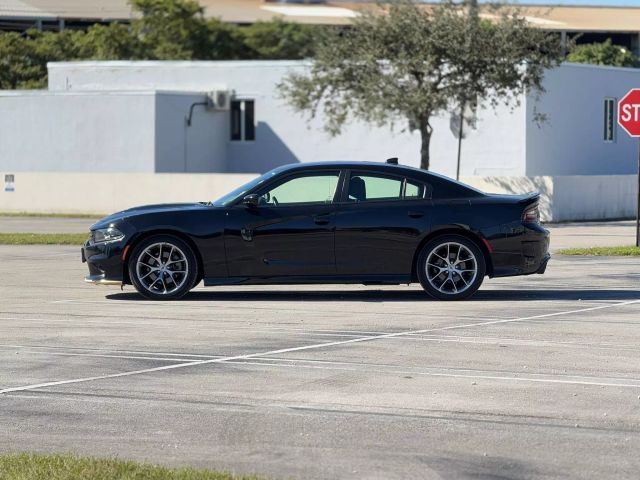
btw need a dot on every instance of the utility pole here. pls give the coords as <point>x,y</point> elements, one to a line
<point>460,133</point>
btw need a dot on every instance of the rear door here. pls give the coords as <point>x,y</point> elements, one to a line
<point>291,231</point>
<point>379,223</point>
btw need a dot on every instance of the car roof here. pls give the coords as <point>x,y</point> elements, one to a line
<point>412,172</point>
<point>363,165</point>
<point>352,164</point>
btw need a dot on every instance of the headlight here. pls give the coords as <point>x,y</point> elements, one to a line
<point>105,235</point>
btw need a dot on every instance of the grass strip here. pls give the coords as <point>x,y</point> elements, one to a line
<point>27,466</point>
<point>51,215</point>
<point>43,239</point>
<point>602,251</point>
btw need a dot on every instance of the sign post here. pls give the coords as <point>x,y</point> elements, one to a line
<point>629,120</point>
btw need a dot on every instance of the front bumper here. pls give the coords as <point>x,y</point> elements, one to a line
<point>106,266</point>
<point>101,280</point>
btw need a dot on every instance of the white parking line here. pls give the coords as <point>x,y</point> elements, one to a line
<point>97,355</point>
<point>193,356</point>
<point>536,378</point>
<point>309,347</point>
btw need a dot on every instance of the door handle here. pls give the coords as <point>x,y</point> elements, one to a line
<point>322,219</point>
<point>416,214</point>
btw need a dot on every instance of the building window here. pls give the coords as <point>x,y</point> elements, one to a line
<point>609,120</point>
<point>243,126</point>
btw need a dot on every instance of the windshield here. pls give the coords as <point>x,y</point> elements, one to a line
<point>243,189</point>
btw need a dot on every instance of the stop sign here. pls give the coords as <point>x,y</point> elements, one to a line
<point>629,119</point>
<point>629,112</point>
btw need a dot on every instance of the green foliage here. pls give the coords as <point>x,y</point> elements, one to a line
<point>171,30</point>
<point>23,58</point>
<point>602,251</point>
<point>161,30</point>
<point>109,42</point>
<point>52,215</point>
<point>605,53</point>
<point>409,64</point>
<point>70,467</point>
<point>42,239</point>
<point>280,40</point>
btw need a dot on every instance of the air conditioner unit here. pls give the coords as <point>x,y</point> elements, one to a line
<point>218,100</point>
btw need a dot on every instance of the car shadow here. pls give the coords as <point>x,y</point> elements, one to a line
<point>390,295</point>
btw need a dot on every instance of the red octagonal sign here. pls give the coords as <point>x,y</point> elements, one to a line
<point>629,112</point>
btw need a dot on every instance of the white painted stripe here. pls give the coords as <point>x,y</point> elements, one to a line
<point>226,326</point>
<point>97,355</point>
<point>570,380</point>
<point>437,369</point>
<point>132,352</point>
<point>310,347</point>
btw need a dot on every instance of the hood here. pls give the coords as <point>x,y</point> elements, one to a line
<point>144,209</point>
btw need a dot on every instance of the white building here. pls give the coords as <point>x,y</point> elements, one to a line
<point>132,117</point>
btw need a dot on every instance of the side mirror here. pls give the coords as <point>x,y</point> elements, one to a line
<point>251,201</point>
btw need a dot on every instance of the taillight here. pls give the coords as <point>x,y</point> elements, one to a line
<point>531,215</point>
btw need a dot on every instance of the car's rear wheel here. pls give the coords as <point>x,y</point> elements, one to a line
<point>451,267</point>
<point>163,267</point>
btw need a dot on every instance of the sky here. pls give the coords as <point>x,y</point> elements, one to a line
<point>607,3</point>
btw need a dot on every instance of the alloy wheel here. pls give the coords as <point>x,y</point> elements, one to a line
<point>451,268</point>
<point>162,268</point>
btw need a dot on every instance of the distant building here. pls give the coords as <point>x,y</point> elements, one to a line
<point>592,23</point>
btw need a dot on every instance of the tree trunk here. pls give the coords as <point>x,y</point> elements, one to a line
<point>425,134</point>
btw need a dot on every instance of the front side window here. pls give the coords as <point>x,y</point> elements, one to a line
<point>319,188</point>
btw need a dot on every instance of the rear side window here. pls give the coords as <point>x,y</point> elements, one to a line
<point>371,187</point>
<point>415,190</point>
<point>364,188</point>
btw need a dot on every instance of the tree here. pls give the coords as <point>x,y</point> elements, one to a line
<point>277,39</point>
<point>162,30</point>
<point>24,57</point>
<point>605,53</point>
<point>116,41</point>
<point>410,63</point>
<point>171,29</point>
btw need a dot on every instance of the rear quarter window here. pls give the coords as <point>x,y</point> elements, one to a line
<point>443,189</point>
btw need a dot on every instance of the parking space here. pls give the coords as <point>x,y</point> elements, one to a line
<point>535,376</point>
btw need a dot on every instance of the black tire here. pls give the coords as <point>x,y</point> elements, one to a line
<point>447,278</point>
<point>176,255</point>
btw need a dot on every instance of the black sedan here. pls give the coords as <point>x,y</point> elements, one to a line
<point>328,222</point>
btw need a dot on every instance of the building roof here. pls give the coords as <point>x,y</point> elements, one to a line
<point>68,9</point>
<point>332,12</point>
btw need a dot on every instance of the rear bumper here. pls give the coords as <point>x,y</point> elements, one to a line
<point>524,252</point>
<point>543,265</point>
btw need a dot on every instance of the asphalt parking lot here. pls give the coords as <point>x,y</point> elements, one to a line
<point>534,377</point>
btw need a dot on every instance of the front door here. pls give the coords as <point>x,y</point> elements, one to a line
<point>291,231</point>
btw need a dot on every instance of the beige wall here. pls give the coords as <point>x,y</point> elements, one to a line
<point>564,198</point>
<point>571,197</point>
<point>102,193</point>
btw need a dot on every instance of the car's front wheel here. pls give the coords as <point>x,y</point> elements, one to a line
<point>163,267</point>
<point>451,267</point>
